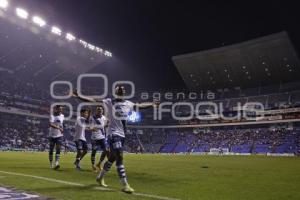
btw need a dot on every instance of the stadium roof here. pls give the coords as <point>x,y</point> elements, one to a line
<point>34,53</point>
<point>263,61</point>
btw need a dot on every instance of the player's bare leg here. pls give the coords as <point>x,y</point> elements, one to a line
<point>93,157</point>
<point>102,157</point>
<point>106,168</point>
<point>77,160</point>
<point>84,152</point>
<point>51,154</point>
<point>121,172</point>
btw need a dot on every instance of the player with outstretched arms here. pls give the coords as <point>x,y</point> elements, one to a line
<point>117,112</point>
<point>56,135</point>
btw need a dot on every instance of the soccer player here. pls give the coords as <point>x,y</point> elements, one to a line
<point>56,135</point>
<point>117,113</point>
<point>98,138</point>
<point>79,138</point>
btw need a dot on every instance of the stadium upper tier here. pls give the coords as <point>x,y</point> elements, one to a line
<point>19,96</point>
<point>264,61</point>
<point>35,54</point>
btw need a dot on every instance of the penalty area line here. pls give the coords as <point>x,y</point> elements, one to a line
<point>82,185</point>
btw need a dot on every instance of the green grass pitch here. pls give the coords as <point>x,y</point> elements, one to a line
<point>166,177</point>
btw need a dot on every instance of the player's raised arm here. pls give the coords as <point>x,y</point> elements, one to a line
<point>86,99</point>
<point>146,105</point>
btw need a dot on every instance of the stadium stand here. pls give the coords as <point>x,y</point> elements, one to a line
<point>25,99</point>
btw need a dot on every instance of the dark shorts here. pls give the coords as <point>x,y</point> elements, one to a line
<point>116,142</point>
<point>102,143</point>
<point>55,141</point>
<point>81,145</point>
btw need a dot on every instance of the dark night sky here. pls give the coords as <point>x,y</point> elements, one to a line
<point>143,35</point>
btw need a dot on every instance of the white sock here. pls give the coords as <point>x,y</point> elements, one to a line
<point>124,181</point>
<point>101,174</point>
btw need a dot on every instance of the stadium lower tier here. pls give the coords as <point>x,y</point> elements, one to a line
<point>26,132</point>
<point>237,140</point>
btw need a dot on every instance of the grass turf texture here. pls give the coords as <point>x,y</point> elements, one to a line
<point>177,176</point>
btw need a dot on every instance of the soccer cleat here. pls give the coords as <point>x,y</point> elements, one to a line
<point>77,166</point>
<point>127,189</point>
<point>57,166</point>
<point>51,165</point>
<point>101,182</point>
<point>94,168</point>
<point>98,165</point>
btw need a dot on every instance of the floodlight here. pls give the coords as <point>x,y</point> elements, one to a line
<point>39,21</point>
<point>91,47</point>
<point>107,53</point>
<point>70,37</point>
<point>84,43</point>
<point>3,4</point>
<point>56,30</point>
<point>99,50</point>
<point>21,13</point>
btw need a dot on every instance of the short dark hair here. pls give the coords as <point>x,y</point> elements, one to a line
<point>58,106</point>
<point>100,106</point>
<point>83,110</point>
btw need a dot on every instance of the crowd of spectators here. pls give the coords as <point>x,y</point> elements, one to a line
<point>246,140</point>
<point>18,131</point>
<point>24,132</point>
<point>22,88</point>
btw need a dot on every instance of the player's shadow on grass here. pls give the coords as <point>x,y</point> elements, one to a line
<point>74,170</point>
<point>204,167</point>
<point>84,170</point>
<point>148,177</point>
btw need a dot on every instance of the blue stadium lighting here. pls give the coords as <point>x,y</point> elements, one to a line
<point>22,13</point>
<point>39,21</point>
<point>134,117</point>
<point>3,4</point>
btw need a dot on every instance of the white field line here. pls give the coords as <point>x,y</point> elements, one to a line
<point>82,185</point>
<point>43,178</point>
